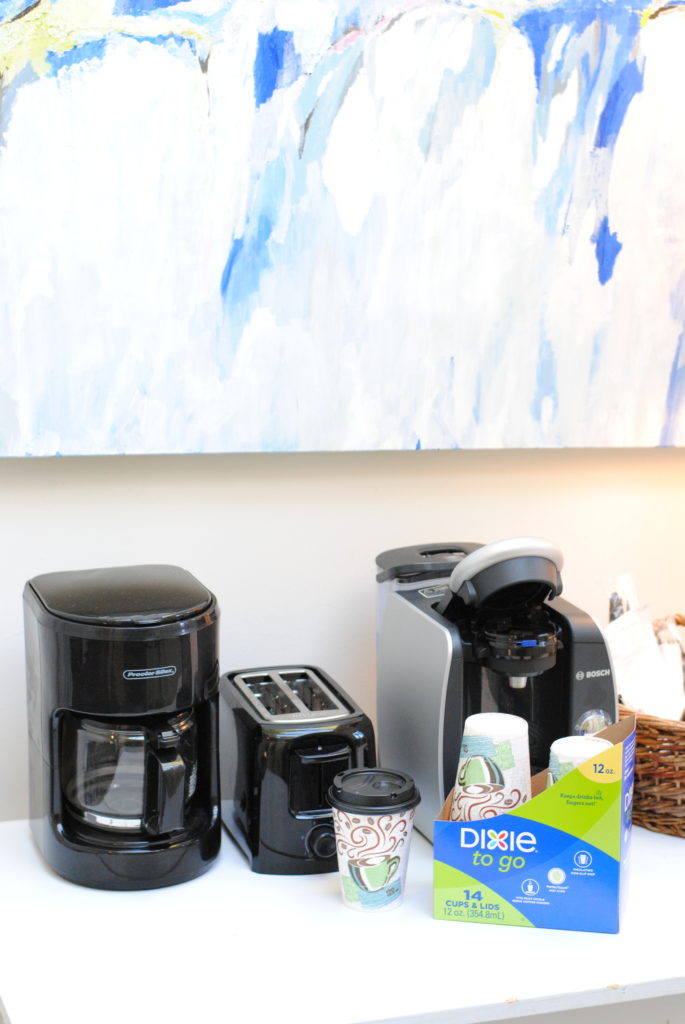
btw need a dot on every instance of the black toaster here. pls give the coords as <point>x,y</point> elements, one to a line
<point>284,734</point>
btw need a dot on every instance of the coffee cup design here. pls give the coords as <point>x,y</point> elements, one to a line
<point>479,769</point>
<point>493,774</point>
<point>570,752</point>
<point>373,814</point>
<point>372,874</point>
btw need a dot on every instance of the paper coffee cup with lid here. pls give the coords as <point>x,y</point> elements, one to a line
<point>493,774</point>
<point>570,752</point>
<point>373,814</point>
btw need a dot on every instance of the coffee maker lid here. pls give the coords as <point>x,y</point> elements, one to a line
<point>511,571</point>
<point>125,596</point>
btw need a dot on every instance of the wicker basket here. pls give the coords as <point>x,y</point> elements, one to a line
<point>659,797</point>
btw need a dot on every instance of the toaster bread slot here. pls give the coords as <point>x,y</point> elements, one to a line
<point>272,697</point>
<point>291,694</point>
<point>309,691</point>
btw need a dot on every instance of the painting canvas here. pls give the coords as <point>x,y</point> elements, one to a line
<point>267,225</point>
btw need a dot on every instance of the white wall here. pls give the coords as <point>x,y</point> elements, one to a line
<point>288,541</point>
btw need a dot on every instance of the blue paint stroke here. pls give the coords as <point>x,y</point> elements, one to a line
<point>346,20</point>
<point>317,106</point>
<point>277,64</point>
<point>594,42</point>
<point>144,6</point>
<point>628,83</point>
<point>10,9</point>
<point>168,40</point>
<point>608,77</point>
<point>370,15</point>
<point>546,387</point>
<point>476,408</point>
<point>251,254</point>
<point>166,11</point>
<point>248,257</point>
<point>675,398</point>
<point>255,251</point>
<point>540,27</point>
<point>82,52</point>
<point>590,55</point>
<point>459,90</point>
<point>607,248</point>
<point>95,49</point>
<point>418,445</point>
<point>597,344</point>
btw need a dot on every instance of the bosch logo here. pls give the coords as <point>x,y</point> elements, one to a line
<point>597,673</point>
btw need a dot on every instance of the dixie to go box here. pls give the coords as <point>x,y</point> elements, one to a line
<point>557,861</point>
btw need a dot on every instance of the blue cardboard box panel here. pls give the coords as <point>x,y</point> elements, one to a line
<point>557,861</point>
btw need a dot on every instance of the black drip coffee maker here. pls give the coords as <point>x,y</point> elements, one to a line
<point>122,678</point>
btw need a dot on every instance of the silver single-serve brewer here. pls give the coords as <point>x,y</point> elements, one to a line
<point>464,628</point>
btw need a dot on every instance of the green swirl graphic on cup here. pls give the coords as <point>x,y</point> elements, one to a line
<point>373,873</point>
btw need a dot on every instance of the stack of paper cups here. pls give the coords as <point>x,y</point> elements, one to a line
<point>567,753</point>
<point>493,775</point>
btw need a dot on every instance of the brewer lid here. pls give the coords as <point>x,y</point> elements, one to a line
<point>421,561</point>
<point>126,596</point>
<point>509,573</point>
<point>373,790</point>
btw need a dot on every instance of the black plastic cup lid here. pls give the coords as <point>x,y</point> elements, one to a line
<point>373,791</point>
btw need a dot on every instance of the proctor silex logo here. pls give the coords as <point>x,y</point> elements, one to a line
<point>150,673</point>
<point>485,839</point>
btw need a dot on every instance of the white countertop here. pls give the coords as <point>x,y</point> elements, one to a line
<point>238,946</point>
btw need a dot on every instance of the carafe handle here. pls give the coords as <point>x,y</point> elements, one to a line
<point>166,791</point>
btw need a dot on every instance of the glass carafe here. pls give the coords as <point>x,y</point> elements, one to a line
<point>130,777</point>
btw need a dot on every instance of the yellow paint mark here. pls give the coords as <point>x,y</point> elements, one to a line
<point>495,14</point>
<point>655,9</point>
<point>60,26</point>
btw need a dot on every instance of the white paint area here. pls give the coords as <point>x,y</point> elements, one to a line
<point>423,271</point>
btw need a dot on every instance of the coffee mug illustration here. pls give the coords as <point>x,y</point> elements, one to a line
<point>479,769</point>
<point>372,873</point>
<point>372,856</point>
<point>493,773</point>
<point>481,791</point>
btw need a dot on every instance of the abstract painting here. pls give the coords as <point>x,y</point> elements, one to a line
<point>320,225</point>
